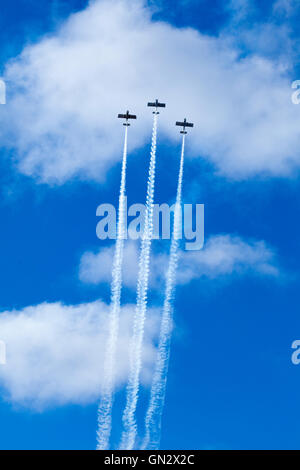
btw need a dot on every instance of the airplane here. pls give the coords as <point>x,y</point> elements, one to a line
<point>126,116</point>
<point>184,124</point>
<point>156,105</point>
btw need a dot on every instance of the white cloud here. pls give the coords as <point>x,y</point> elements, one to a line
<point>97,268</point>
<point>67,90</point>
<point>55,352</point>
<point>223,255</point>
<point>226,255</point>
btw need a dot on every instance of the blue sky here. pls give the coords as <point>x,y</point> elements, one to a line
<point>231,383</point>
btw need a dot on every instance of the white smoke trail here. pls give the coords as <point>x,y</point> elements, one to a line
<point>106,403</point>
<point>129,420</point>
<point>159,382</point>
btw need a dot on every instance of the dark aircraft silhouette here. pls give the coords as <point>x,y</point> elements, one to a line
<point>156,105</point>
<point>184,124</point>
<point>126,116</point>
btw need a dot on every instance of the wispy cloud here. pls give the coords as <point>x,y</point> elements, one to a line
<point>226,255</point>
<point>222,256</point>
<point>95,268</point>
<point>66,91</point>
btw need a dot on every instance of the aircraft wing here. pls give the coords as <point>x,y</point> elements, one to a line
<point>184,124</point>
<point>157,105</point>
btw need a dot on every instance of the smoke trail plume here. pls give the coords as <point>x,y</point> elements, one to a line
<point>158,389</point>
<point>105,406</point>
<point>129,420</point>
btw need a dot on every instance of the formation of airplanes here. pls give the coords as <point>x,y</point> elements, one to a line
<point>184,124</point>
